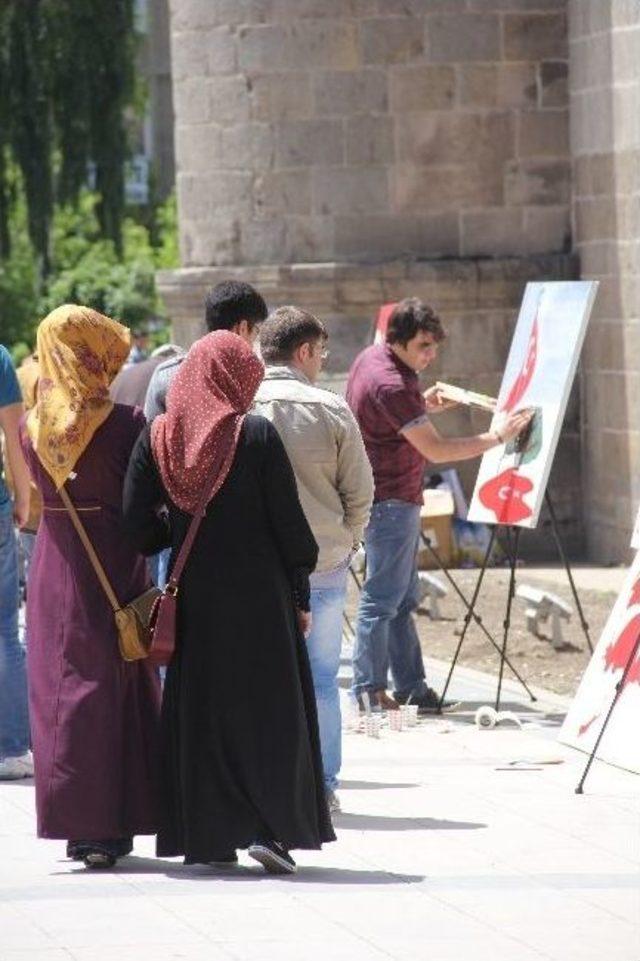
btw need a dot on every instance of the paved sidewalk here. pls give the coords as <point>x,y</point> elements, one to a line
<point>447,851</point>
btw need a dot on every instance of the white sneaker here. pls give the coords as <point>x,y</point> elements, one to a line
<point>15,768</point>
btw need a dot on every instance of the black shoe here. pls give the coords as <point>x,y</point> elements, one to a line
<point>107,850</point>
<point>226,861</point>
<point>428,703</point>
<point>98,857</point>
<point>273,857</point>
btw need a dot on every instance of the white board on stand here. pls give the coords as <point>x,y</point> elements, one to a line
<point>620,743</point>
<point>538,375</point>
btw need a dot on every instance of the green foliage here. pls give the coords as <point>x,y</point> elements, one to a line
<point>66,81</point>
<point>86,269</point>
<point>167,254</point>
<point>19,283</point>
<point>19,352</point>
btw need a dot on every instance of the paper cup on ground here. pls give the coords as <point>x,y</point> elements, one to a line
<point>409,714</point>
<point>372,724</point>
<point>395,720</point>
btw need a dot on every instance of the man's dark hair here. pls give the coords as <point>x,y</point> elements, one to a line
<point>410,316</point>
<point>286,329</point>
<point>231,301</point>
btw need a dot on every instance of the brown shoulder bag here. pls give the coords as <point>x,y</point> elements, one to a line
<point>134,619</point>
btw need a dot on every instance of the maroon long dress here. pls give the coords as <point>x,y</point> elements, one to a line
<point>94,717</point>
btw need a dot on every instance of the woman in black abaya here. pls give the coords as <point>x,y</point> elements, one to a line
<point>241,764</point>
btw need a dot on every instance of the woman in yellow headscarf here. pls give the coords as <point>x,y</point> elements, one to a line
<point>94,717</point>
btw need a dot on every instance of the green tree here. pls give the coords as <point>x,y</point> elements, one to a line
<point>66,80</point>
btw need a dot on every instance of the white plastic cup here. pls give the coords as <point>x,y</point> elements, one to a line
<point>409,714</point>
<point>395,720</point>
<point>372,724</point>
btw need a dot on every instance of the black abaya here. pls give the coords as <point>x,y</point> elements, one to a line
<point>240,746</point>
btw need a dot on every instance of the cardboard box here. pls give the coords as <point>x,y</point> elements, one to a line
<point>435,518</point>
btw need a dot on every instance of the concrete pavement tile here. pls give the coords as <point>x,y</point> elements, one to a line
<point>228,920</point>
<point>35,954</point>
<point>20,932</point>
<point>583,939</point>
<point>349,950</point>
<point>620,902</point>
<point>109,921</point>
<point>151,951</point>
<point>487,946</point>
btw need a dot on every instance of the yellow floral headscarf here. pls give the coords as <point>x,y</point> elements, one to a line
<point>80,351</point>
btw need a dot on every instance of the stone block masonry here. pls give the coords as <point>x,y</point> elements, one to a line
<point>440,111</point>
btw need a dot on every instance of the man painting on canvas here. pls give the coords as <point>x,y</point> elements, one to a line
<point>395,419</point>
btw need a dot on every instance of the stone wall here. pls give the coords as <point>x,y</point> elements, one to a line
<point>360,130</point>
<point>605,140</point>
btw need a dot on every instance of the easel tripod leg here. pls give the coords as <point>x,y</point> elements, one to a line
<point>472,613</point>
<point>563,557</point>
<point>619,689</point>
<point>468,615</point>
<point>513,560</point>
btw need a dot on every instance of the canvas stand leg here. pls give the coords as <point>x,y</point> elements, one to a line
<point>563,557</point>
<point>616,697</point>
<point>513,561</point>
<point>468,616</point>
<point>471,613</point>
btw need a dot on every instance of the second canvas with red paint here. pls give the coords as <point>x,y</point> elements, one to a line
<point>620,743</point>
<point>538,376</point>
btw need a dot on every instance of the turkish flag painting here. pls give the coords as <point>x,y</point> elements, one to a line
<point>620,743</point>
<point>524,378</point>
<point>504,495</point>
<point>538,374</point>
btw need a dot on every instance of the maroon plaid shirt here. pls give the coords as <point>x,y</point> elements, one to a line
<point>385,396</point>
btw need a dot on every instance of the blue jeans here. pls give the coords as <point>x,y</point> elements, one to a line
<point>158,565</point>
<point>328,594</point>
<point>385,633</point>
<point>14,716</point>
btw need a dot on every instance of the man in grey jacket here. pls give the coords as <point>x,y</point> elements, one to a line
<point>335,485</point>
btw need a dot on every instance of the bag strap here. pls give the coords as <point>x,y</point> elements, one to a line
<point>187,544</point>
<point>93,557</point>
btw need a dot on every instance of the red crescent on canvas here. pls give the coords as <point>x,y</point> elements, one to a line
<point>504,495</point>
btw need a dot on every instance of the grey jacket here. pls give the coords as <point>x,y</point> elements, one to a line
<point>326,450</point>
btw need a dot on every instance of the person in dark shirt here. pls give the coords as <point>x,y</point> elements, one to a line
<point>230,305</point>
<point>394,416</point>
<point>131,384</point>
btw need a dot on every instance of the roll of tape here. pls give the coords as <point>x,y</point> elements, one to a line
<point>486,717</point>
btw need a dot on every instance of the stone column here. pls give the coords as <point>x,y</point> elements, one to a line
<point>605,140</point>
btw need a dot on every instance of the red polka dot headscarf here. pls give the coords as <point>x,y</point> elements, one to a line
<point>195,442</point>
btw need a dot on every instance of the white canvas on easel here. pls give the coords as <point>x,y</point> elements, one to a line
<point>620,743</point>
<point>539,373</point>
